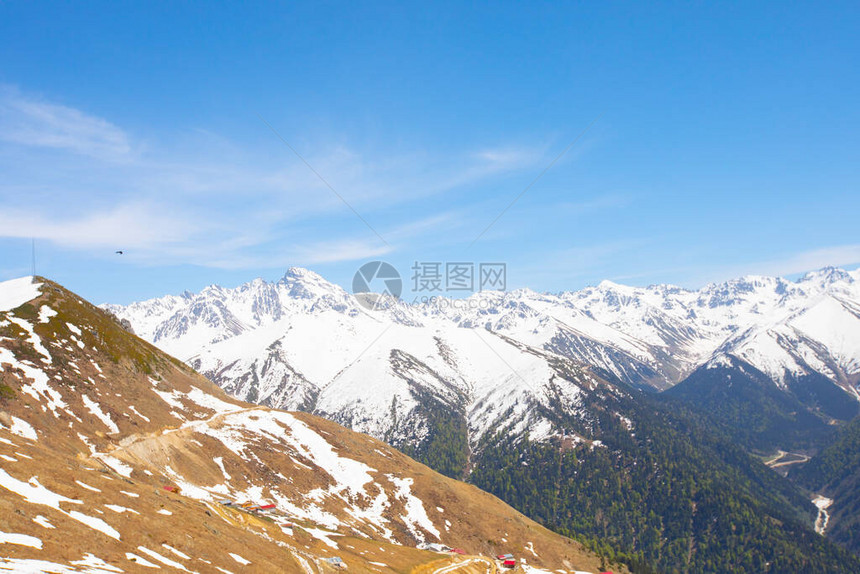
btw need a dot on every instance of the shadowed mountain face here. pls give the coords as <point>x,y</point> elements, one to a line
<point>760,415</point>
<point>116,457</point>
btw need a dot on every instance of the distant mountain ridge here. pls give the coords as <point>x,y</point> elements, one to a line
<point>260,341</point>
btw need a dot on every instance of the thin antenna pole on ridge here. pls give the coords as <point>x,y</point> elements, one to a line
<point>34,257</point>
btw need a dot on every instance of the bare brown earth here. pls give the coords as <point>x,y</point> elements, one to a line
<point>118,423</point>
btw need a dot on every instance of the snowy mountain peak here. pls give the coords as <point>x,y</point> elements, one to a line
<point>828,276</point>
<point>305,284</point>
<point>607,285</point>
<point>301,273</point>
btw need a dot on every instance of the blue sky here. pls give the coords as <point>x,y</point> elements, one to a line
<point>723,140</point>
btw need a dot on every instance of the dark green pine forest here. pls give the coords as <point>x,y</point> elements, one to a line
<point>747,406</point>
<point>675,493</point>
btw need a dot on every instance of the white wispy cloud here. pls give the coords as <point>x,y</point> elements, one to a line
<point>137,226</point>
<point>434,223</point>
<point>802,261</point>
<point>695,275</point>
<point>84,183</point>
<point>337,251</point>
<point>506,158</point>
<point>34,122</point>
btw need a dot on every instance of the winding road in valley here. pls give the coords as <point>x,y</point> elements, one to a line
<point>777,461</point>
<point>470,565</point>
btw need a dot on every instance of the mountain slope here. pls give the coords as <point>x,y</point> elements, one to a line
<point>117,457</point>
<point>783,385</point>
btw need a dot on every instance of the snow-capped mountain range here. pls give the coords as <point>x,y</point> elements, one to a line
<point>499,358</point>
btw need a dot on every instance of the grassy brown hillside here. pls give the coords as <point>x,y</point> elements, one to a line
<point>117,457</point>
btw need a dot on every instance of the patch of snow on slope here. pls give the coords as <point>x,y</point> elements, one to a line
<point>23,429</point>
<point>16,292</point>
<point>188,489</point>
<point>177,552</point>
<point>39,388</point>
<point>163,559</point>
<point>348,474</point>
<point>120,509</point>
<point>172,398</point>
<point>373,515</point>
<point>239,559</point>
<point>207,401</point>
<point>220,462</point>
<point>35,493</point>
<point>308,511</point>
<point>416,515</point>
<point>323,536</point>
<point>27,566</point>
<point>96,410</point>
<point>20,539</point>
<point>34,339</point>
<point>94,523</point>
<point>43,522</point>
<point>132,557</point>
<point>45,314</point>
<point>135,411</point>
<point>87,486</point>
<point>117,465</point>
<point>95,564</point>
